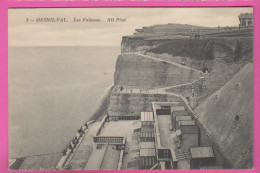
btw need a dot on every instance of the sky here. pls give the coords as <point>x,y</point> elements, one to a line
<point>23,33</point>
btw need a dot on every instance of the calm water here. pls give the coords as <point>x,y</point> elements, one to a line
<point>52,92</point>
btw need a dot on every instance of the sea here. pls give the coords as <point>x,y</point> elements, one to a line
<point>52,91</point>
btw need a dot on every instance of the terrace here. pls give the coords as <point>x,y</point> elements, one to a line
<point>112,140</point>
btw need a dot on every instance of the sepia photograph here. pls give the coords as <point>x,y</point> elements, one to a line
<point>130,88</point>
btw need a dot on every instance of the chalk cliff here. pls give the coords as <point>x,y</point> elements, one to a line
<point>182,54</point>
<point>215,50</point>
<point>136,70</point>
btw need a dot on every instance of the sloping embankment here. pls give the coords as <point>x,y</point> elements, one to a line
<point>228,116</point>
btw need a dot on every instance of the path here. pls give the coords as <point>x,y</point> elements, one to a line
<point>84,151</point>
<point>165,126</point>
<point>157,59</point>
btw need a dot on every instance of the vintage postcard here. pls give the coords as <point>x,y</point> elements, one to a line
<point>130,88</point>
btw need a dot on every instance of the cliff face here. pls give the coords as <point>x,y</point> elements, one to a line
<point>142,72</point>
<point>137,44</point>
<point>228,116</point>
<point>199,49</point>
<point>148,38</point>
<point>153,36</point>
<point>225,94</point>
<point>222,57</point>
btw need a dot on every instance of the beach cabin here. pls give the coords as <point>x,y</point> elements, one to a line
<point>179,113</point>
<point>180,118</point>
<point>147,134</point>
<point>165,108</point>
<point>185,123</point>
<point>147,158</point>
<point>201,157</point>
<point>147,155</point>
<point>167,155</point>
<point>147,119</point>
<point>147,127</point>
<point>189,137</point>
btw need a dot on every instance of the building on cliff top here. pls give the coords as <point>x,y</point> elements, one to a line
<point>245,19</point>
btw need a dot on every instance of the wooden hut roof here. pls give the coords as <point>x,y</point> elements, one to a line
<point>146,116</point>
<point>201,152</point>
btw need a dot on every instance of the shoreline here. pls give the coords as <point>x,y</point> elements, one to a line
<point>103,105</point>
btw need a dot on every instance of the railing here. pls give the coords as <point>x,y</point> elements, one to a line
<point>123,117</point>
<point>108,139</point>
<point>120,161</point>
<point>156,132</point>
<point>184,155</point>
<point>102,125</point>
<point>132,89</point>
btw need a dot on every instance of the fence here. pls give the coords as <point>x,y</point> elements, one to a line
<point>120,161</point>
<point>122,117</point>
<point>108,139</point>
<point>132,89</point>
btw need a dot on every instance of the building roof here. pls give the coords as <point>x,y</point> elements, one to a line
<point>167,103</point>
<point>187,123</point>
<point>147,134</point>
<point>178,108</point>
<point>147,129</point>
<point>146,145</point>
<point>201,152</point>
<point>146,116</point>
<point>189,129</point>
<point>180,118</point>
<point>246,16</point>
<point>147,152</point>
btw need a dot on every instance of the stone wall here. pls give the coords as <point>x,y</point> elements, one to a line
<point>127,104</point>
